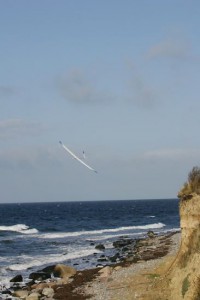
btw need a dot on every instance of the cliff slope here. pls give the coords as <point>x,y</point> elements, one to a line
<point>182,279</point>
<point>184,274</point>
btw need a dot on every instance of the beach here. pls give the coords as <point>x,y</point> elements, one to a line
<point>131,279</point>
<point>135,280</point>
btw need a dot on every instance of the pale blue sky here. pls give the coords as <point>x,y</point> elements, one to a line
<point>119,79</point>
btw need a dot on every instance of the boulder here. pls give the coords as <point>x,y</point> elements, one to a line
<point>49,269</point>
<point>99,266</point>
<point>122,243</point>
<point>102,259</point>
<point>151,234</point>
<point>20,294</point>
<point>5,292</point>
<point>39,286</point>
<point>40,276</point>
<point>64,271</point>
<point>117,268</point>
<point>100,247</point>
<point>114,258</point>
<point>48,292</point>
<point>33,296</point>
<point>17,278</point>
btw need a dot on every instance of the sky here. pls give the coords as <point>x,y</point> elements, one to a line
<point>118,79</point>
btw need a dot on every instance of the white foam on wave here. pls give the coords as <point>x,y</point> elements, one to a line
<point>30,262</point>
<point>178,229</point>
<point>22,228</point>
<point>151,226</point>
<point>94,232</point>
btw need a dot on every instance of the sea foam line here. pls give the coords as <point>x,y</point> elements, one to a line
<point>92,232</point>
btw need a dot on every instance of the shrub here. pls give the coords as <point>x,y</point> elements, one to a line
<point>192,185</point>
<point>194,180</point>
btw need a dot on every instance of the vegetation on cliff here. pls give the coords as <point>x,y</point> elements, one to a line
<point>181,281</point>
<point>192,185</point>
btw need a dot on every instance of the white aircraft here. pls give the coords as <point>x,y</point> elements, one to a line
<point>76,157</point>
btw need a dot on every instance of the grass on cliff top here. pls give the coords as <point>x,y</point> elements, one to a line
<point>193,183</point>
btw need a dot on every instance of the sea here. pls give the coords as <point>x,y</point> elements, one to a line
<point>36,235</point>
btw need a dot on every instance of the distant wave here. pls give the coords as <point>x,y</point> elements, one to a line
<point>22,228</point>
<point>134,234</point>
<point>92,232</point>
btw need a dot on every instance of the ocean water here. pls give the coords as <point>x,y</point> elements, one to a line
<point>35,235</point>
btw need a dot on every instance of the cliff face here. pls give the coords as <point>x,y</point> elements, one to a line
<point>184,275</point>
<point>190,228</point>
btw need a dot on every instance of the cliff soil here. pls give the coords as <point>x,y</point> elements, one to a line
<point>182,279</point>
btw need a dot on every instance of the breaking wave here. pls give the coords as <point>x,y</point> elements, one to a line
<point>30,262</point>
<point>21,228</point>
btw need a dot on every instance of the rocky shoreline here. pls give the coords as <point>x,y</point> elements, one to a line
<point>65,282</point>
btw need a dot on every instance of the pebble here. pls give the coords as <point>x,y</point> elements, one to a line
<point>100,289</point>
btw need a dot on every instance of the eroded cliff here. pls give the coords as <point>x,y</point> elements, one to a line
<point>184,274</point>
<point>182,279</point>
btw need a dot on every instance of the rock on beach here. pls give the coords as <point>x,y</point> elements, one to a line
<point>65,282</point>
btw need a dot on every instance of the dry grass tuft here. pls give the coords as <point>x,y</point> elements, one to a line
<point>192,185</point>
